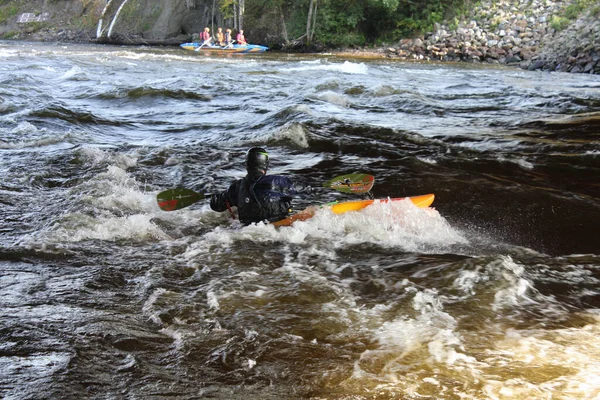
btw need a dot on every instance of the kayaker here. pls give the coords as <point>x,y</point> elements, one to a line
<point>241,39</point>
<point>258,196</point>
<point>205,36</point>
<point>220,38</point>
<point>228,40</point>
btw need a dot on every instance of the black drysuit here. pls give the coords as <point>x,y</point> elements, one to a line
<point>268,198</point>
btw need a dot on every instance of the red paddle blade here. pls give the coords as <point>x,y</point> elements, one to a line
<point>176,199</point>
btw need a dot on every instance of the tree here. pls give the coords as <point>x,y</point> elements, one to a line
<point>114,21</point>
<point>283,26</point>
<point>241,9</point>
<point>101,21</point>
<point>311,22</point>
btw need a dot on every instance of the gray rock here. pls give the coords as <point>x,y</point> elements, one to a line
<point>539,64</point>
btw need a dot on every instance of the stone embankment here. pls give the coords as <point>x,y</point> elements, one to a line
<point>526,33</point>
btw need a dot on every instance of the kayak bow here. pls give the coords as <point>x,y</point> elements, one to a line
<point>422,201</point>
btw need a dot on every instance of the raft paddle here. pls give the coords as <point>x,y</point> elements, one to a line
<point>176,199</point>
<point>207,41</point>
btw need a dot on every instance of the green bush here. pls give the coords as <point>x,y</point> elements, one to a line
<point>10,35</point>
<point>7,12</point>
<point>559,23</point>
<point>573,11</point>
<point>342,40</point>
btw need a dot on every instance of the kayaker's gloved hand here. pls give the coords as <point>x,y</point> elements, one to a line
<point>216,203</point>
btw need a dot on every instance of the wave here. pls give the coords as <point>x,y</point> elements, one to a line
<point>72,116</point>
<point>332,98</point>
<point>399,225</point>
<point>346,67</point>
<point>150,92</point>
<point>27,136</point>
<point>428,330</point>
<point>76,74</point>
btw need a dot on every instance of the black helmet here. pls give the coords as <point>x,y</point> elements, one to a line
<point>257,161</point>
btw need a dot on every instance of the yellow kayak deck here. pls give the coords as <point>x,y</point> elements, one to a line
<point>354,205</point>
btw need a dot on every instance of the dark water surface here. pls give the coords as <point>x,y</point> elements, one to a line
<point>495,294</point>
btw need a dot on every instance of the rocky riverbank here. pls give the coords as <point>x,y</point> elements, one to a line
<point>532,34</point>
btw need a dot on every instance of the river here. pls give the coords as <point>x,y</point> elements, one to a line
<point>492,294</point>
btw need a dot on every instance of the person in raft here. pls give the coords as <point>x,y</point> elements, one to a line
<point>241,39</point>
<point>228,40</point>
<point>258,196</point>
<point>220,38</point>
<point>205,36</point>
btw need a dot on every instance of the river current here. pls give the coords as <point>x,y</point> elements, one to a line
<point>492,294</point>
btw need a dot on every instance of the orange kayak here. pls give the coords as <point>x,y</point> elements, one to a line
<point>354,205</point>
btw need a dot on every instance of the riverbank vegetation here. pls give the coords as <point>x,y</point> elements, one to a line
<point>341,23</point>
<point>349,23</point>
<point>573,11</point>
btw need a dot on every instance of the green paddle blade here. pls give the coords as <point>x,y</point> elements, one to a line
<point>351,183</point>
<point>175,199</point>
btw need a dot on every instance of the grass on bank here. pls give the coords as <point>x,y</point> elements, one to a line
<point>572,12</point>
<point>7,11</point>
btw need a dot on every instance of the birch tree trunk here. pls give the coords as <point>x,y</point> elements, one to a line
<point>99,30</point>
<point>112,24</point>
<point>283,27</point>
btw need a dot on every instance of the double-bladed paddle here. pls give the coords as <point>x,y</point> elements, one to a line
<point>176,199</point>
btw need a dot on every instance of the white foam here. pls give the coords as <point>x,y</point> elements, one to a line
<point>96,156</point>
<point>148,309</point>
<point>31,137</point>
<point>9,53</point>
<point>212,300</point>
<point>333,98</point>
<point>397,224</point>
<point>515,288</point>
<point>560,362</point>
<point>78,227</point>
<point>385,91</point>
<point>74,72</point>
<point>427,160</point>
<point>431,334</point>
<point>346,67</point>
<point>116,190</point>
<point>412,354</point>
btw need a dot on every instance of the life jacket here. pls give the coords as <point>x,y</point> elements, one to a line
<point>269,198</point>
<point>205,35</point>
